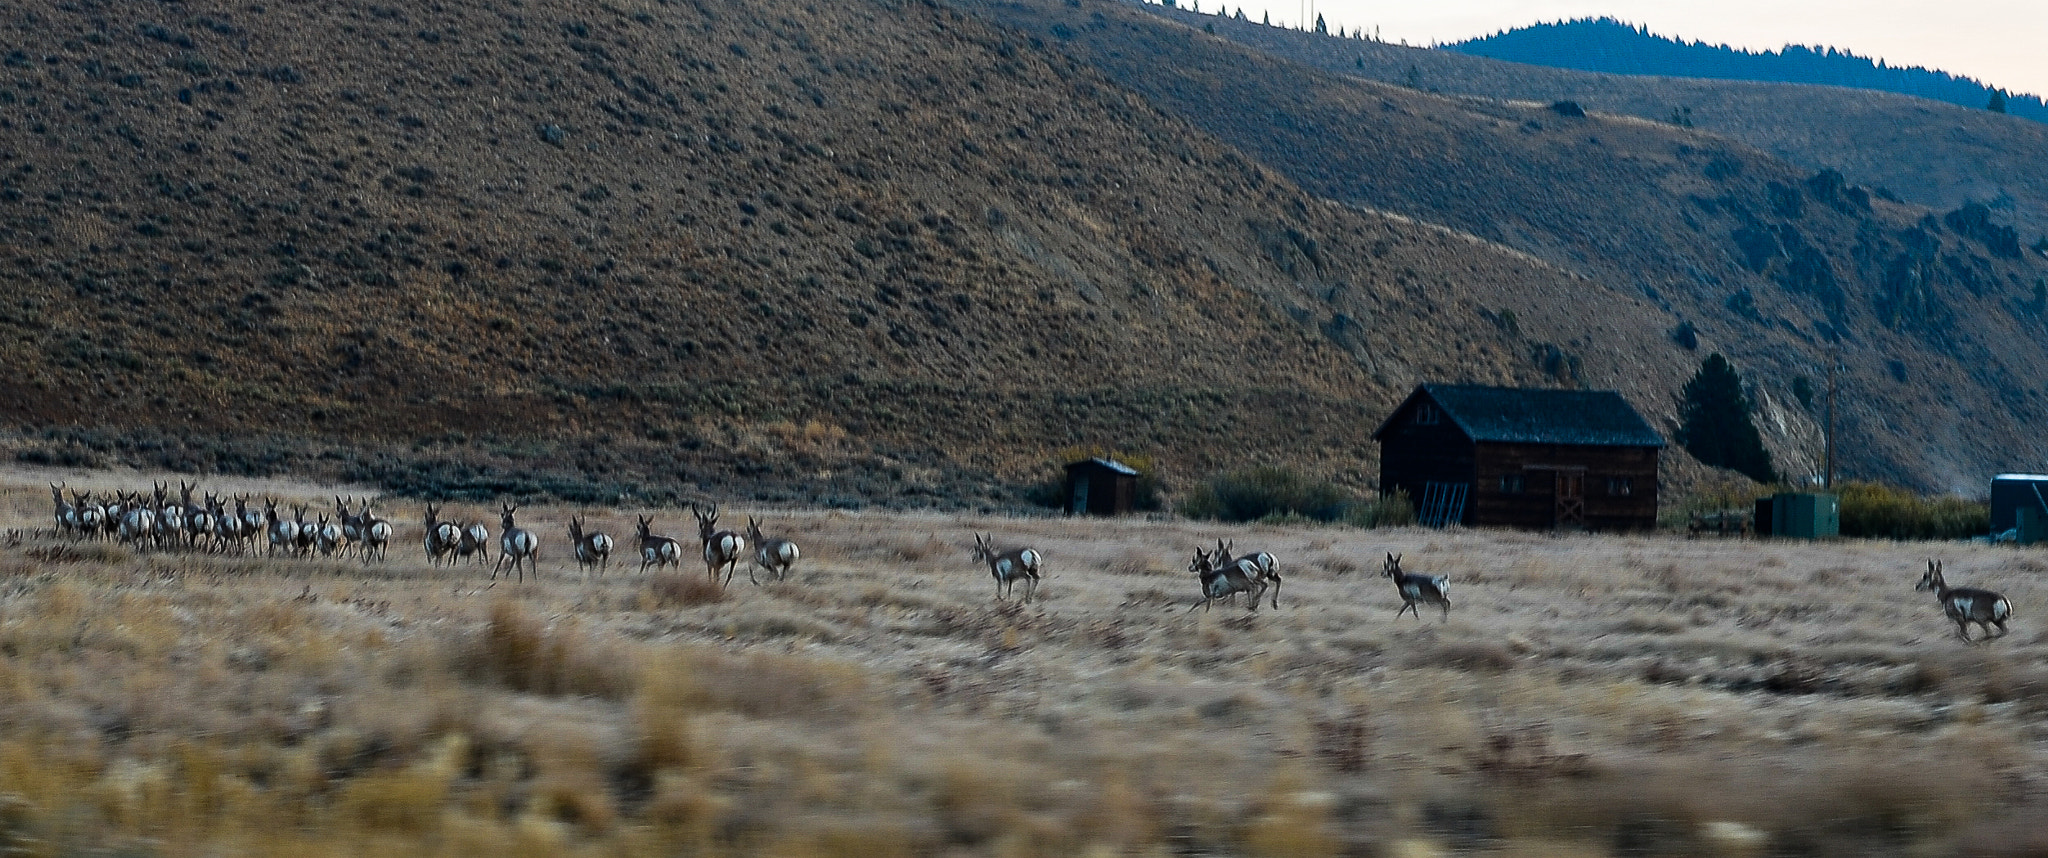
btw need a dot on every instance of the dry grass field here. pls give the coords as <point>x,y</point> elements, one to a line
<point>1588,696</point>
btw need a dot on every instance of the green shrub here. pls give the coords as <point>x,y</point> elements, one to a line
<point>1879,511</point>
<point>1394,509</point>
<point>1258,493</point>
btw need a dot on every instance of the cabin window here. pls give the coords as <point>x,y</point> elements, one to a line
<point>1511,484</point>
<point>1621,486</point>
<point>1425,414</point>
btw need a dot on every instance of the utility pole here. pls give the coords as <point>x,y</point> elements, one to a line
<point>1828,481</point>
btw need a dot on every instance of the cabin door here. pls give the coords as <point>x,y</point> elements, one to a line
<point>1571,500</point>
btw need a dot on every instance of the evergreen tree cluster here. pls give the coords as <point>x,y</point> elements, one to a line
<point>1611,46</point>
<point>1715,425</point>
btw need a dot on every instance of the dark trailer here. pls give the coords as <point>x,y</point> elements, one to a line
<point>1512,457</point>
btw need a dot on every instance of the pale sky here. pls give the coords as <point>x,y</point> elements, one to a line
<point>2002,43</point>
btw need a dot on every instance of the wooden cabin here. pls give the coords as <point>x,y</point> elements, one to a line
<point>1532,459</point>
<point>1101,487</point>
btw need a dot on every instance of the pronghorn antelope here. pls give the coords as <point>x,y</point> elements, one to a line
<point>1267,566</point>
<point>1418,589</point>
<point>282,534</point>
<point>138,521</point>
<point>111,524</point>
<point>66,512</point>
<point>351,524</point>
<point>307,533</point>
<point>227,527</point>
<point>326,536</point>
<point>1966,605</point>
<point>442,536</point>
<point>656,551</point>
<point>516,546</point>
<point>722,548</point>
<point>376,533</point>
<point>1008,566</point>
<point>1228,579</point>
<point>252,521</point>
<point>774,555</point>
<point>198,519</point>
<point>592,549</point>
<point>170,517</point>
<point>475,541</point>
<point>91,515</point>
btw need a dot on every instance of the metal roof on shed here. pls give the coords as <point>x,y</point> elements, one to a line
<point>1111,464</point>
<point>1533,416</point>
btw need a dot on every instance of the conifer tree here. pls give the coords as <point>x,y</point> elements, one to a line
<point>1715,422</point>
<point>1320,26</point>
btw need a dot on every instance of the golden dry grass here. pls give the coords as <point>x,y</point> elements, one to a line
<point>1588,696</point>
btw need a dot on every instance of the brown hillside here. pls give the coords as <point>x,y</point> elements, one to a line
<point>1777,267</point>
<point>810,253</point>
<point>1925,151</point>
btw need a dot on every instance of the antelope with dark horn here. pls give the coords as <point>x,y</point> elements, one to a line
<point>656,551</point>
<point>376,533</point>
<point>722,548</point>
<point>776,556</point>
<point>441,536</point>
<point>283,534</point>
<point>1229,579</point>
<point>1966,605</point>
<point>1008,566</point>
<point>92,516</point>
<point>516,546</point>
<point>66,513</point>
<point>1266,565</point>
<point>1418,589</point>
<point>592,549</point>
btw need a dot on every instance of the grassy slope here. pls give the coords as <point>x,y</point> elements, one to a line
<point>1641,206</point>
<point>1928,152</point>
<point>862,250</point>
<point>1587,696</point>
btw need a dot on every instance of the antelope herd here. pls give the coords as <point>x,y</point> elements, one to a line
<point>156,521</point>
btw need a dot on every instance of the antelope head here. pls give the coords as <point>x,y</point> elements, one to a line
<point>753,530</point>
<point>507,508</point>
<point>575,529</point>
<point>1393,566</point>
<point>1931,580</point>
<point>706,522</point>
<point>57,491</point>
<point>185,492</point>
<point>645,530</point>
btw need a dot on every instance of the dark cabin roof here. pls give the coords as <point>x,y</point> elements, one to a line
<point>1110,464</point>
<point>1511,415</point>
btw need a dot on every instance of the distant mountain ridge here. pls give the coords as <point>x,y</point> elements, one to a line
<point>1616,47</point>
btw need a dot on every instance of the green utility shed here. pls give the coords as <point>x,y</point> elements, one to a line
<point>1802,515</point>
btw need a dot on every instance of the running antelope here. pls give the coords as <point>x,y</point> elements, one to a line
<point>1228,579</point>
<point>138,521</point>
<point>722,548</point>
<point>1418,589</point>
<point>441,536</point>
<point>91,515</point>
<point>170,517</point>
<point>1267,566</point>
<point>281,533</point>
<point>1008,566</point>
<point>198,519</point>
<point>376,533</point>
<point>326,536</point>
<point>252,521</point>
<point>657,551</point>
<point>351,524</point>
<point>475,541</point>
<point>1966,605</point>
<point>516,546</point>
<point>66,513</point>
<point>592,549</point>
<point>774,555</point>
<point>307,535</point>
